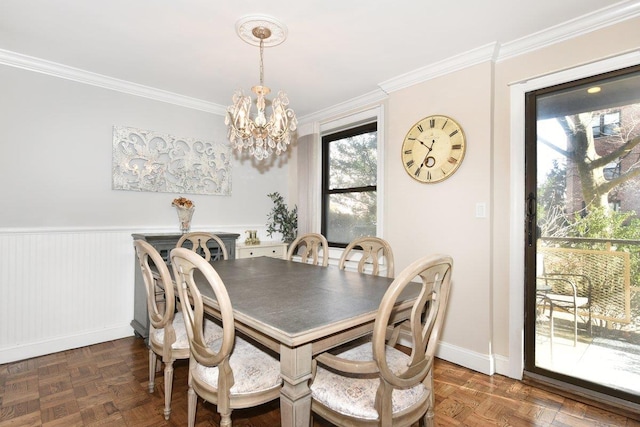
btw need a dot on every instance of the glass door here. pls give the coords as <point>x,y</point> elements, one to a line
<point>583,233</point>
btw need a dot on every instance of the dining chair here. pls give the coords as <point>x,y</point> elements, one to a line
<point>376,384</point>
<point>167,333</point>
<point>229,372</point>
<point>562,284</point>
<point>310,247</point>
<point>368,253</point>
<point>199,240</point>
<point>567,292</point>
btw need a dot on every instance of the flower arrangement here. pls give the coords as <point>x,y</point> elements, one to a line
<point>185,208</point>
<point>182,203</point>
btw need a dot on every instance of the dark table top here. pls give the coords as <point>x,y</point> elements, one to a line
<point>293,299</point>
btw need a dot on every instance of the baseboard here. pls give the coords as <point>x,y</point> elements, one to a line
<point>35,349</point>
<point>479,362</point>
<point>503,367</point>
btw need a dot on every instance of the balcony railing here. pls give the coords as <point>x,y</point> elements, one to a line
<point>612,265</point>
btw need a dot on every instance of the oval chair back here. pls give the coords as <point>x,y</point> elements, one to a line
<point>199,240</point>
<point>308,247</point>
<point>395,389</point>
<point>371,250</point>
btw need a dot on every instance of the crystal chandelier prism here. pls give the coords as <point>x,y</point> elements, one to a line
<point>258,134</point>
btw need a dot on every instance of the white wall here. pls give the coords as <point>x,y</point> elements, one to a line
<point>59,214</point>
<point>56,138</point>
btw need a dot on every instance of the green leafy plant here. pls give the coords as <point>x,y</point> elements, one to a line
<point>281,219</point>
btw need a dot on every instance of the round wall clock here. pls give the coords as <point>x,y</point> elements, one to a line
<point>433,149</point>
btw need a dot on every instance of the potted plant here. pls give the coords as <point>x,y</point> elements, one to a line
<point>281,219</point>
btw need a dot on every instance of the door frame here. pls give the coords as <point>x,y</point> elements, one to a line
<point>517,197</point>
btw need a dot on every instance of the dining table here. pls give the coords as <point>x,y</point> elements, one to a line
<point>299,310</point>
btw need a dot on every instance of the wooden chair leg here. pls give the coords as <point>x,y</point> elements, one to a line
<point>168,385</point>
<point>225,419</point>
<point>428,419</point>
<point>192,402</point>
<point>152,370</point>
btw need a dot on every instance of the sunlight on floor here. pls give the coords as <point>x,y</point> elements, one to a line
<point>611,362</point>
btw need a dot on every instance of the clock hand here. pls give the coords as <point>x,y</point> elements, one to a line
<point>428,160</point>
<point>430,148</point>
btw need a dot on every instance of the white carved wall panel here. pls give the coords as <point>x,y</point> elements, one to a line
<point>144,160</point>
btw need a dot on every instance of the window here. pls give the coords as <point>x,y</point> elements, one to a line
<point>605,124</point>
<point>612,170</point>
<point>349,184</point>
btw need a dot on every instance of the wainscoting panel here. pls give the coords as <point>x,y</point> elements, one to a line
<point>63,289</point>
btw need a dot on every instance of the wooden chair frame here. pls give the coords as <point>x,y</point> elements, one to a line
<point>161,315</point>
<point>307,247</point>
<point>184,263</point>
<point>199,241</point>
<point>426,320</point>
<point>371,250</point>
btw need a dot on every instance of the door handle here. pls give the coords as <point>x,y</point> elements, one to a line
<point>531,216</point>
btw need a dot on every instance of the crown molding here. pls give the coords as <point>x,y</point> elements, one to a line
<point>496,52</point>
<point>567,30</point>
<point>30,63</point>
<point>440,68</point>
<point>593,21</point>
<point>373,97</point>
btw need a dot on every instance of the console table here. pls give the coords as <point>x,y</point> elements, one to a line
<point>270,249</point>
<point>163,244</point>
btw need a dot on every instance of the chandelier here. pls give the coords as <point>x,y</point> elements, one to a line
<point>258,134</point>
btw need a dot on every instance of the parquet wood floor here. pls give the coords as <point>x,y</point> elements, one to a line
<point>106,384</point>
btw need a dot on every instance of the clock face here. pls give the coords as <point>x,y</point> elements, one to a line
<point>433,149</point>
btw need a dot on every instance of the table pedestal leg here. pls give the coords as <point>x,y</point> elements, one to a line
<point>295,396</point>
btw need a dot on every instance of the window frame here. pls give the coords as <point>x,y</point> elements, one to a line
<point>372,113</point>
<point>326,139</point>
<point>603,127</point>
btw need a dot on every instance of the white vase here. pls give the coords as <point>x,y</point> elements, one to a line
<point>184,216</point>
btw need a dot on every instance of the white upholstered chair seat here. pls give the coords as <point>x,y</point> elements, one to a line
<point>355,397</point>
<point>253,369</point>
<point>212,332</point>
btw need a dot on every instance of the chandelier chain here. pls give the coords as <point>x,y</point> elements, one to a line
<point>261,62</point>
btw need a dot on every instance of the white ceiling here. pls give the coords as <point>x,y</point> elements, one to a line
<point>335,50</point>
